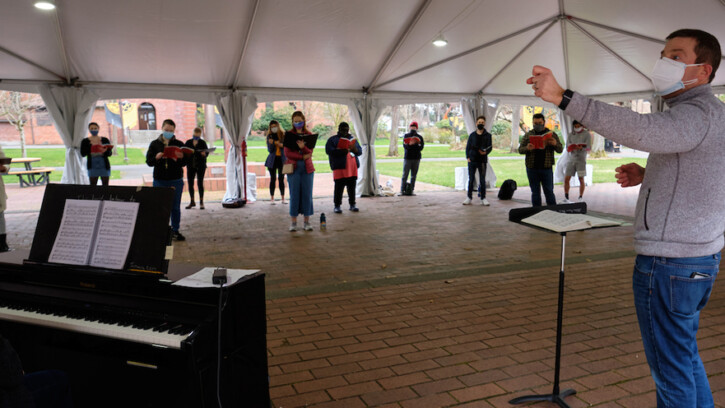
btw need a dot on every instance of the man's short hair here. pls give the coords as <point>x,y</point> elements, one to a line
<point>539,116</point>
<point>576,122</point>
<point>196,130</point>
<point>481,117</point>
<point>93,123</point>
<point>707,47</point>
<point>168,122</point>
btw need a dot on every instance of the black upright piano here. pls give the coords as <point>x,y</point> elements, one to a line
<point>129,341</point>
<point>128,337</point>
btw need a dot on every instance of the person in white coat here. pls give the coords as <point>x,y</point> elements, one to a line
<point>3,205</point>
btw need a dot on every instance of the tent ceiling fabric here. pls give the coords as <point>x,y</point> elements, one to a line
<point>324,47</point>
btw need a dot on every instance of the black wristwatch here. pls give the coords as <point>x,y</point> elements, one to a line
<point>566,98</point>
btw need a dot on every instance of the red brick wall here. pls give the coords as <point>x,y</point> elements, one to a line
<point>41,130</point>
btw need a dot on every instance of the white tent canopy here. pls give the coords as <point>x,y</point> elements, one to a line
<point>331,50</point>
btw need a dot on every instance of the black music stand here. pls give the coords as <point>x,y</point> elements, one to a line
<point>516,215</point>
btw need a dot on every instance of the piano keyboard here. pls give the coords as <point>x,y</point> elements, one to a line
<point>137,330</point>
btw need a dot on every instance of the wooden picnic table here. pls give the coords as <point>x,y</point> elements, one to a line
<point>26,160</point>
<point>31,176</point>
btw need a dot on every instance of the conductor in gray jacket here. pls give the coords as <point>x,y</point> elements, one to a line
<point>680,215</point>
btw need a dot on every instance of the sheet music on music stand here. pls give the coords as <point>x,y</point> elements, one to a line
<point>103,228</point>
<point>562,222</point>
<point>95,233</point>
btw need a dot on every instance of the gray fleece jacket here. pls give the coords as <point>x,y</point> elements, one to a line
<point>681,206</point>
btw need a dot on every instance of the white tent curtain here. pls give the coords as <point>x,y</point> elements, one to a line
<point>565,123</point>
<point>236,109</point>
<point>71,109</point>
<point>364,113</point>
<point>473,107</point>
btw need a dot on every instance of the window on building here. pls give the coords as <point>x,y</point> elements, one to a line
<point>146,116</point>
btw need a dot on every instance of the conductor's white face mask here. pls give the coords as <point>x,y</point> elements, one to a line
<point>667,76</point>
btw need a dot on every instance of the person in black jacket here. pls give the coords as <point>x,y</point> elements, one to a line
<point>344,165</point>
<point>478,147</point>
<point>411,160</point>
<point>196,167</point>
<point>275,159</point>
<point>98,164</point>
<point>168,171</point>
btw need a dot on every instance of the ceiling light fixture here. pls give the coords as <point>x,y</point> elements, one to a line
<point>440,41</point>
<point>44,5</point>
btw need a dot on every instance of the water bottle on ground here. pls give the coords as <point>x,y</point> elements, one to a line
<point>323,222</point>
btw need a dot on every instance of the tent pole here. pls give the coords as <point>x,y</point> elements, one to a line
<point>27,61</point>
<point>401,40</point>
<point>508,64</point>
<point>246,43</point>
<point>472,50</point>
<point>609,50</point>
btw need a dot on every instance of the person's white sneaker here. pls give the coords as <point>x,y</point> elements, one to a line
<point>565,201</point>
<point>467,201</point>
<point>580,200</point>
<point>485,202</point>
<point>293,227</point>
<point>308,227</point>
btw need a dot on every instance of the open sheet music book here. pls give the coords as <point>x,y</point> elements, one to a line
<point>562,222</point>
<point>95,233</point>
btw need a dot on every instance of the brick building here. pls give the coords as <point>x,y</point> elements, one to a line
<point>151,113</point>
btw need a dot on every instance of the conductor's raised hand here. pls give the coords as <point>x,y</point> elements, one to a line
<point>544,85</point>
<point>629,175</point>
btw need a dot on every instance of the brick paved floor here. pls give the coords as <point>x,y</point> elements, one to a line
<point>422,302</point>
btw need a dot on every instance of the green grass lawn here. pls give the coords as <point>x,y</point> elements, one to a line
<point>434,152</point>
<point>443,173</point>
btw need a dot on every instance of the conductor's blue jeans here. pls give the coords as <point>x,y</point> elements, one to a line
<point>668,296</point>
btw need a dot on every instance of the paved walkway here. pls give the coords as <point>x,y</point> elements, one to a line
<point>422,302</point>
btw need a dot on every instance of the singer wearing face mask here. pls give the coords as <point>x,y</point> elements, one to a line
<point>578,144</point>
<point>196,167</point>
<point>168,170</point>
<point>300,181</point>
<point>478,147</point>
<point>275,159</point>
<point>680,211</point>
<point>344,163</point>
<point>413,144</point>
<point>540,160</point>
<point>98,164</point>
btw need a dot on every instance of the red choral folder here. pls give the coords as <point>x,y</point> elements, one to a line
<point>570,148</point>
<point>409,140</point>
<point>539,141</point>
<point>100,148</point>
<point>170,151</point>
<point>345,143</point>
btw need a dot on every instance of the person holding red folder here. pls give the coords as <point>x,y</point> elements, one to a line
<point>413,144</point>
<point>196,167</point>
<point>168,171</point>
<point>299,155</point>
<point>343,150</point>
<point>539,161</point>
<point>577,144</point>
<point>97,149</point>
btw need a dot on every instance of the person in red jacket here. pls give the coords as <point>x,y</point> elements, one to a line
<point>300,181</point>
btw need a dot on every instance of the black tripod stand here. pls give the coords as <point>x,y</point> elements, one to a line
<point>556,395</point>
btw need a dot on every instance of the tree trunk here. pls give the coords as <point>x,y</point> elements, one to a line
<point>21,130</point>
<point>209,124</point>
<point>393,146</point>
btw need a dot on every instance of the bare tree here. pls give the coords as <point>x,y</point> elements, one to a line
<point>335,112</point>
<point>15,107</point>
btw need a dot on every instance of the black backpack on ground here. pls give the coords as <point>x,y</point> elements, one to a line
<point>507,190</point>
<point>408,189</point>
